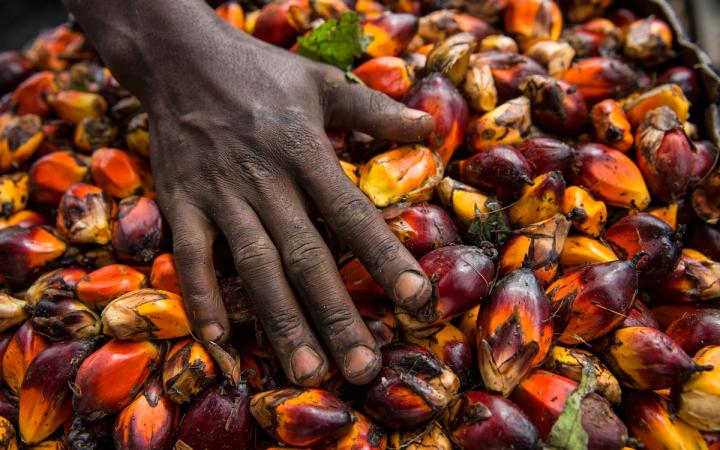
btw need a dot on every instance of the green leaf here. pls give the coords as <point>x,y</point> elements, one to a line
<point>489,227</point>
<point>567,433</point>
<point>335,42</point>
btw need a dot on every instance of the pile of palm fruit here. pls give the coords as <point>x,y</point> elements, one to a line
<point>565,207</point>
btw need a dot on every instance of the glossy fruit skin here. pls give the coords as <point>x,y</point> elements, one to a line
<point>509,71</point>
<point>598,78</point>
<point>556,56</point>
<point>359,283</point>
<point>24,219</point>
<point>147,422</point>
<point>648,41</point>
<point>188,370</point>
<point>13,193</point>
<point>530,21</point>
<point>84,215</point>
<point>63,319</point>
<point>431,437</point>
<point>101,286</point>
<point>437,96</point>
<point>19,353</point>
<point>507,124</point>
<point>685,78</point>
<point>380,320</point>
<point>705,238</point>
<point>219,419</point>
<point>545,154</point>
<point>694,278</point>
<point>31,94</point>
<point>640,316</point>
<point>163,274</point>
<point>8,436</point>
<point>539,201</point>
<point>274,24</point>
<point>53,174</point>
<point>557,106</point>
<point>364,435</point>
<point>479,88</point>
<point>501,170</point>
<point>439,23</point>
<point>638,105</point>
<point>422,227</point>
<point>482,420</point>
<point>611,126</point>
<point>452,348</point>
<point>118,173</point>
<point>387,74</point>
<point>139,231</point>
<point>570,362</point>
<point>705,156</point>
<point>644,232</point>
<point>694,330</point>
<point>81,433</point>
<point>391,33</point>
<point>591,301</point>
<point>8,409</point>
<point>464,200</point>
<point>698,404</point>
<point>581,250</point>
<point>451,57</point>
<point>587,214</point>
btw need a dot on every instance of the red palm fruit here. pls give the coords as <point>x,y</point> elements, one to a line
<point>8,409</point>
<point>435,95</point>
<point>277,22</point>
<point>514,331</point>
<point>163,274</point>
<point>302,417</point>
<point>705,156</point>
<point>5,339</point>
<point>94,132</point>
<point>610,176</point>
<point>481,420</point>
<point>329,9</point>
<point>695,330</point>
<point>647,359</point>
<point>364,435</point>
<point>712,439</point>
<point>501,170</point>
<point>591,301</point>
<point>538,202</point>
<point>666,314</point>
<point>665,156</point>
<point>452,348</point>
<point>84,215</point>
<point>24,219</point>
<point>380,320</point>
<point>422,227</point>
<point>651,421</point>
<point>31,95</point>
<point>15,69</point>
<point>54,173</point>
<point>27,252</point>
<point>46,394</point>
<point>412,388</point>
<point>24,346</point>
<point>706,239</point>
<point>63,319</point>
<point>685,78</point>
<point>107,283</point>
<point>261,366</point>
<point>57,283</point>
<point>596,37</point>
<point>54,48</point>
<point>530,21</point>
<point>648,41</point>
<point>536,247</point>
<point>507,124</point>
<point>431,437</point>
<point>138,231</point>
<point>83,434</point>
<point>110,378</point>
<point>148,422</point>
<point>639,316</point>
<point>59,136</point>
<point>188,370</point>
<point>509,70</point>
<point>542,396</point>
<point>390,33</point>
<point>556,105</point>
<point>461,277</point>
<point>387,74</point>
<point>695,278</point>
<point>8,436</point>
<point>600,77</point>
<point>232,12</point>
<point>650,239</point>
<point>359,283</point>
<point>611,125</point>
<point>545,154</point>
<point>20,138</point>
<point>117,173</point>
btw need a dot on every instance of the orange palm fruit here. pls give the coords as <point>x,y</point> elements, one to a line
<point>696,329</point>
<point>5,405</point>
<point>465,201</point>
<point>233,13</point>
<point>302,417</point>
<point>432,437</point>
<point>8,437</point>
<point>391,33</point>
<point>498,43</point>
<point>556,105</point>
<point>53,48</point>
<point>26,252</point>
<point>647,359</point>
<point>14,193</point>
<point>380,320</point>
<point>53,174</point>
<point>46,394</point>
<point>20,138</point>
<point>107,283</point>
<point>530,21</point>
<point>695,278</point>
<point>648,41</point>
<point>586,214</point>
<point>422,227</point>
<point>118,173</point>
<point>65,318</point>
<point>542,396</point>
<point>670,95</point>
<point>187,371</point>
<point>599,77</point>
<point>435,95</point>
<point>479,88</point>
<point>467,324</point>
<point>388,74</point>
<point>359,283</point>
<point>163,274</point>
<point>569,362</point>
<point>451,57</point>
<point>438,25</point>
<point>699,396</point>
<point>611,176</point>
<point>146,314</point>
<point>452,348</point>
<point>24,346</point>
<point>31,94</point>
<point>514,331</point>
<point>555,56</point>
<point>507,124</point>
<point>539,201</point>
<point>509,70</point>
<point>94,132</point>
<point>650,239</point>
<point>499,169</point>
<point>352,171</point>
<point>137,135</point>
<point>669,214</point>
<point>611,125</point>
<point>139,231</point>
<point>592,301</point>
<point>84,215</point>
<point>109,379</point>
<point>651,422</point>
<point>24,219</point>
<point>364,435</point>
<point>412,388</point>
<point>536,247</point>
<point>407,173</point>
<point>148,422</point>
<point>479,420</point>
<point>53,444</point>
<point>581,250</point>
<point>73,106</point>
<point>276,23</point>
<point>13,311</point>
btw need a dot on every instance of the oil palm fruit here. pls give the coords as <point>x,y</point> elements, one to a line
<point>84,215</point>
<point>637,106</point>
<point>27,252</point>
<point>109,282</point>
<point>8,436</point>
<point>479,88</point>
<point>598,78</point>
<point>55,284</point>
<point>359,283</point>
<point>507,124</point>
<point>451,57</point>
<point>390,33</point>
<point>117,173</point>
<point>422,227</point>
<point>146,314</point>
<point>465,201</point>
<point>696,329</point>
<point>539,201</point>
<point>188,370</point>
<point>569,362</point>
<point>529,21</point>
<point>73,106</point>
<point>698,405</point>
<point>53,174</point>
<point>500,169</point>
<point>163,274</point>
<point>13,311</point>
<point>432,437</point>
<point>557,106</point>
<point>695,278</point>
<point>640,316</point>
<point>387,74</point>
<point>93,133</point>
<point>587,214</point>
<point>380,320</point>
<point>546,154</point>
<point>31,95</point>
<point>364,435</point>
<point>65,318</point>
<point>509,70</point>
<point>14,193</point>
<point>611,125</point>
<point>648,41</point>
<point>139,232</point>
<point>21,350</point>
<point>20,138</point>
<point>452,348</point>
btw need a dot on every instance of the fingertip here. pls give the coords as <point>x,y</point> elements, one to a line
<point>212,331</point>
<point>307,367</point>
<point>412,290</point>
<point>362,364</point>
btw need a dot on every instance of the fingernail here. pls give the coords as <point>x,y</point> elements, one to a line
<point>415,114</point>
<point>359,360</point>
<point>411,289</point>
<point>305,363</point>
<point>211,332</point>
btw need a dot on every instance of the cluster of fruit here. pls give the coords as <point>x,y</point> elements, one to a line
<point>564,207</point>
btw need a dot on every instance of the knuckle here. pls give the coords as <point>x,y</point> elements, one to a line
<point>256,255</point>
<point>383,250</point>
<point>188,250</point>
<point>352,214</point>
<point>284,324</point>
<point>336,320</point>
<point>304,256</point>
